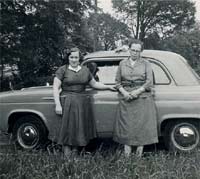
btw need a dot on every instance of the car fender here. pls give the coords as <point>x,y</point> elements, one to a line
<point>27,111</point>
<point>172,117</point>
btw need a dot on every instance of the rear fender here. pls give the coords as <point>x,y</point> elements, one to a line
<point>175,117</point>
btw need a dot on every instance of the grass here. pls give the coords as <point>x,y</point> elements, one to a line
<point>101,164</point>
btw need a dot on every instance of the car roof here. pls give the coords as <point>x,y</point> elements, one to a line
<point>146,53</point>
<point>166,57</point>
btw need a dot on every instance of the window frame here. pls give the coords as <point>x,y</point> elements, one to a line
<point>96,60</point>
<point>165,70</point>
<point>151,60</point>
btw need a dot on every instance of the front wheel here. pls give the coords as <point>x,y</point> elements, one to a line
<point>182,135</point>
<point>29,132</point>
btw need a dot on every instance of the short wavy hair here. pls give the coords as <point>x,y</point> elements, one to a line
<point>68,52</point>
<point>136,41</point>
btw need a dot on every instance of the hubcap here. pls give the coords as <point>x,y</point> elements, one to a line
<point>185,136</point>
<point>27,136</point>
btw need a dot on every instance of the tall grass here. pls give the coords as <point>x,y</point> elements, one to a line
<point>17,164</point>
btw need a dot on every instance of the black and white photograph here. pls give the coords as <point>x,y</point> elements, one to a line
<point>99,89</point>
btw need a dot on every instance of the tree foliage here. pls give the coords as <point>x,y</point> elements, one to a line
<point>108,30</point>
<point>35,33</point>
<point>187,44</point>
<point>163,17</point>
<point>11,23</point>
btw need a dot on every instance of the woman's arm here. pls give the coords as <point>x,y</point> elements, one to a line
<point>56,94</point>
<point>137,92</point>
<point>149,77</point>
<point>98,85</point>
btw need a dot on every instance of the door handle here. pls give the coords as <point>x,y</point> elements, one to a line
<point>49,98</point>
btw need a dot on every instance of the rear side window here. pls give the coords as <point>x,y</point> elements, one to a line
<point>160,76</point>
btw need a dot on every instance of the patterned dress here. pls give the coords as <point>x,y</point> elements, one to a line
<point>136,122</point>
<point>78,125</point>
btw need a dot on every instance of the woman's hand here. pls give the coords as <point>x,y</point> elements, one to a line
<point>123,48</point>
<point>58,109</point>
<point>112,88</point>
<point>127,96</point>
<point>134,94</point>
<point>98,85</point>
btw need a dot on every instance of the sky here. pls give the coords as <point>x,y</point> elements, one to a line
<point>107,7</point>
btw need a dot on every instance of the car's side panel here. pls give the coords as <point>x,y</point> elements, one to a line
<point>104,109</point>
<point>177,103</point>
<point>44,110</point>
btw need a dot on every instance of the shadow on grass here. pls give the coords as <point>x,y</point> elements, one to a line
<point>101,145</point>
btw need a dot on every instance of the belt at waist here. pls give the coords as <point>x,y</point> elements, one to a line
<point>80,93</point>
<point>74,88</point>
<point>132,84</point>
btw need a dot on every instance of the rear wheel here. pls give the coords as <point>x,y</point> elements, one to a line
<point>182,135</point>
<point>29,132</point>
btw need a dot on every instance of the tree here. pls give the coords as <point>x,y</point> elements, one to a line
<point>163,17</point>
<point>187,44</point>
<point>108,30</point>
<point>40,31</point>
<point>10,34</point>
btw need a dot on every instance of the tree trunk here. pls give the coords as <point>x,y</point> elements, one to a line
<point>138,19</point>
<point>2,75</point>
<point>142,32</point>
<point>95,41</point>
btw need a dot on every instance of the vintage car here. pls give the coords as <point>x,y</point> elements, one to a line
<point>29,114</point>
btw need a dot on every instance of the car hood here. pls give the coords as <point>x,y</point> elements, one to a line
<point>26,95</point>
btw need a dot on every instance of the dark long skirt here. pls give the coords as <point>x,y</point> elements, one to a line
<point>136,122</point>
<point>78,125</point>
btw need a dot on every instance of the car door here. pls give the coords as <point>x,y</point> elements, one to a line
<point>104,102</point>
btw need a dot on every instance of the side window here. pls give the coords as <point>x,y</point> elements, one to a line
<point>160,76</point>
<point>105,71</point>
<point>107,74</point>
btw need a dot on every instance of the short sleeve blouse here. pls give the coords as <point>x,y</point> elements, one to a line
<point>73,81</point>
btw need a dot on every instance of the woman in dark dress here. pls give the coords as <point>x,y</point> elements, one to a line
<point>78,125</point>
<point>136,123</point>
